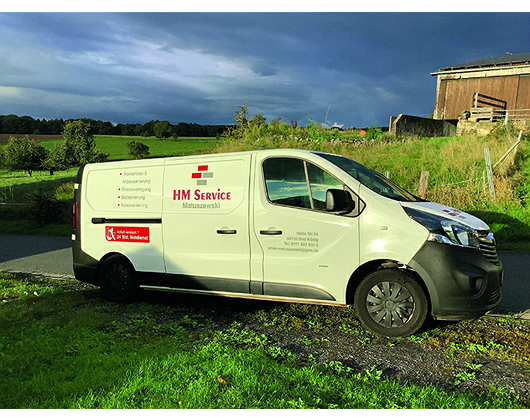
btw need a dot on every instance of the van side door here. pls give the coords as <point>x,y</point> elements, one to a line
<point>308,252</point>
<point>206,223</point>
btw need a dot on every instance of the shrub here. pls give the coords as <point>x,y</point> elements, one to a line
<point>46,209</point>
<point>137,150</point>
<point>374,133</point>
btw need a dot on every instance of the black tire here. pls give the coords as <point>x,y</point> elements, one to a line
<point>117,279</point>
<point>391,303</point>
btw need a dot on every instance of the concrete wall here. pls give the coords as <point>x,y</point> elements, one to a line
<point>483,128</point>
<point>480,128</point>
<point>409,125</point>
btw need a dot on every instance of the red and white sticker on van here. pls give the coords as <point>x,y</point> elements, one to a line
<point>127,234</point>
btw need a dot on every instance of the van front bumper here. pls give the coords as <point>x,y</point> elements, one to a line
<point>462,283</point>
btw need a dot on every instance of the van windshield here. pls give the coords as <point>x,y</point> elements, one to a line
<point>369,178</point>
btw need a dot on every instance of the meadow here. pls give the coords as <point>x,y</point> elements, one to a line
<point>116,146</point>
<point>63,347</point>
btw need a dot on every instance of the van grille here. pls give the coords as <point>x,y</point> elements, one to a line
<point>488,248</point>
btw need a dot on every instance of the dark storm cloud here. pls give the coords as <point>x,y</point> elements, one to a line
<point>198,67</point>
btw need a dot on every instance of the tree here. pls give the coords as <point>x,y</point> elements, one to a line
<point>78,138</point>
<point>162,129</point>
<point>258,119</point>
<point>23,154</point>
<point>241,118</point>
<point>183,129</point>
<point>138,150</point>
<point>77,148</point>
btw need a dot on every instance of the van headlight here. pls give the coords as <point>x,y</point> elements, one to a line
<point>445,231</point>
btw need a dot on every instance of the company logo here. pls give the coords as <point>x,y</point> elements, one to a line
<point>202,175</point>
<point>454,213</point>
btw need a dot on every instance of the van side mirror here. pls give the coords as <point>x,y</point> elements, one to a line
<point>339,201</point>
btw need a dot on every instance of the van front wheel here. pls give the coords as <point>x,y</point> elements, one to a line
<point>391,303</point>
<point>117,279</point>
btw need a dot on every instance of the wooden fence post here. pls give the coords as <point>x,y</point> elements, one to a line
<point>424,180</point>
<point>513,147</point>
<point>489,172</point>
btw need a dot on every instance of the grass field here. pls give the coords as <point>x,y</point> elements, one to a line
<point>116,146</point>
<point>62,346</point>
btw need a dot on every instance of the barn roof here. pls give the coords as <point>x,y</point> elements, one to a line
<point>494,61</point>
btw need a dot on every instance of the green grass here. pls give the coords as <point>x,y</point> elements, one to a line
<point>116,146</point>
<point>62,346</point>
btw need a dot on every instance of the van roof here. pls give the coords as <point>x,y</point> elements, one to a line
<point>163,160</point>
<point>265,151</point>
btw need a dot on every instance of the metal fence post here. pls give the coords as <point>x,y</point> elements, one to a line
<point>489,172</point>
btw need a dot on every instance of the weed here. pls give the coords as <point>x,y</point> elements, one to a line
<point>339,368</point>
<point>373,374</point>
<point>473,366</point>
<point>352,329</point>
<point>364,340</point>
<point>242,338</point>
<point>306,340</point>
<point>463,377</point>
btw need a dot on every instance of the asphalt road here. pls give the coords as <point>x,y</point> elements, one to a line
<point>52,256</point>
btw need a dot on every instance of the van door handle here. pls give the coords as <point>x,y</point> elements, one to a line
<point>226,231</point>
<point>270,232</point>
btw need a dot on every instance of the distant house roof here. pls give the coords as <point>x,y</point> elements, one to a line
<point>494,61</point>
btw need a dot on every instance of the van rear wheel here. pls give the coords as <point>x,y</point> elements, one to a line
<point>117,279</point>
<point>391,303</point>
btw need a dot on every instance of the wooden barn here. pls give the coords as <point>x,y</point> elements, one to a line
<point>486,89</point>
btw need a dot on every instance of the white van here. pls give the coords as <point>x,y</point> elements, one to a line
<point>283,225</point>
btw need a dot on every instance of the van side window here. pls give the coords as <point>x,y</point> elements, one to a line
<point>296,183</point>
<point>320,181</point>
<point>286,182</point>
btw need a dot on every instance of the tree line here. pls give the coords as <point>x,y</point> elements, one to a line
<point>13,124</point>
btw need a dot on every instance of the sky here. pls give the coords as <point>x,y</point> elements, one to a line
<point>346,67</point>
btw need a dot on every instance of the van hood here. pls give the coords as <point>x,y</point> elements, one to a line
<point>448,213</point>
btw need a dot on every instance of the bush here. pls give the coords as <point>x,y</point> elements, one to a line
<point>46,209</point>
<point>138,150</point>
<point>374,133</point>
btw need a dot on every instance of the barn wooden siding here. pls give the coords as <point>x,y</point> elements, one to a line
<point>456,88</point>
